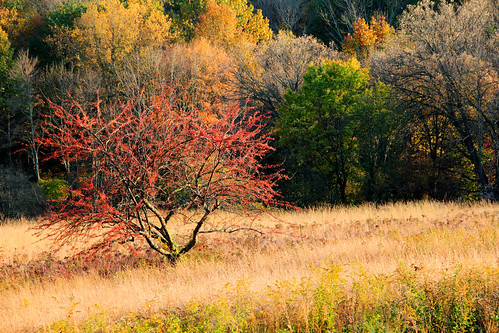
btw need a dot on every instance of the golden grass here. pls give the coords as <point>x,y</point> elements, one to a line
<point>429,236</point>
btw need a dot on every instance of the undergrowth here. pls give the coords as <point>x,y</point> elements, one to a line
<point>330,301</point>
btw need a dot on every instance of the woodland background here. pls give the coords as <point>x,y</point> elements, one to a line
<point>367,100</point>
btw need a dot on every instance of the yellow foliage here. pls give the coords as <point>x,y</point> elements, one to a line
<point>8,18</point>
<point>232,22</point>
<point>19,26</point>
<point>3,36</point>
<point>254,25</point>
<point>108,30</point>
<point>218,24</point>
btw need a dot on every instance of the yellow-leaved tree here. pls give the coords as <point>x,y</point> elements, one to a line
<point>110,30</point>
<point>232,22</point>
<point>218,25</point>
<point>8,18</point>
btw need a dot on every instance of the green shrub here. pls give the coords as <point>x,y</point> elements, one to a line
<point>54,189</point>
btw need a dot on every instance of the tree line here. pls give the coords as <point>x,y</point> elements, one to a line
<point>364,100</point>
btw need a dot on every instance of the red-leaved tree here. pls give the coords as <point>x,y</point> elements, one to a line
<point>147,164</point>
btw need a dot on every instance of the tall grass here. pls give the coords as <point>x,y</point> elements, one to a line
<point>404,301</point>
<point>397,267</point>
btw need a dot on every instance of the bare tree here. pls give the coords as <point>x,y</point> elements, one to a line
<point>141,74</point>
<point>339,15</point>
<point>24,71</point>
<point>283,14</point>
<point>277,66</point>
<point>444,65</point>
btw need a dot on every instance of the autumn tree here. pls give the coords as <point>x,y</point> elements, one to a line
<point>337,127</point>
<point>203,72</point>
<point>6,53</point>
<point>22,21</point>
<point>147,166</point>
<point>218,17</point>
<point>218,24</point>
<point>60,23</point>
<point>109,30</point>
<point>8,17</point>
<point>367,36</point>
<point>184,14</point>
<point>444,67</point>
<point>338,17</point>
<point>98,39</point>
<point>199,73</point>
<point>254,26</point>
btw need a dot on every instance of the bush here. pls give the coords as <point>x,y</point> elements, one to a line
<point>54,189</point>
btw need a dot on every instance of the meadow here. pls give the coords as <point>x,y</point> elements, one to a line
<point>404,267</point>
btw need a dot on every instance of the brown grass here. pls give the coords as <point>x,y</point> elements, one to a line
<point>37,289</point>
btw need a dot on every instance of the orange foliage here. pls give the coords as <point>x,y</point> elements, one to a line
<point>367,36</point>
<point>204,72</point>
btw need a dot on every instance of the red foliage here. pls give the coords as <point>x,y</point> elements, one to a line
<point>147,164</point>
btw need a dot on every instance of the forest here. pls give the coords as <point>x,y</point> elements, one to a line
<point>357,100</point>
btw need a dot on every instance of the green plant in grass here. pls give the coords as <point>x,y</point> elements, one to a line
<point>327,297</point>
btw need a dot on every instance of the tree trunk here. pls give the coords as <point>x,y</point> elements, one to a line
<point>486,192</point>
<point>9,139</point>
<point>34,146</point>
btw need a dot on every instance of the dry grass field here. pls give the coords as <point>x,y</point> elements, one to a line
<point>427,240</point>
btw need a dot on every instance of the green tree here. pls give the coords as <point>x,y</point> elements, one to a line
<point>57,35</point>
<point>65,14</point>
<point>333,129</point>
<point>184,14</point>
